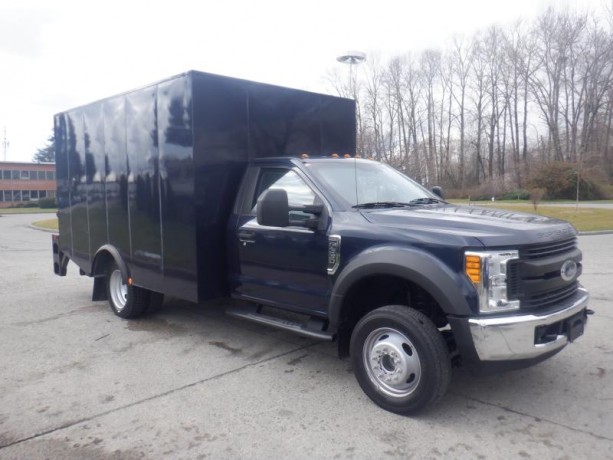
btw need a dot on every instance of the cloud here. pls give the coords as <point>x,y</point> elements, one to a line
<point>21,30</point>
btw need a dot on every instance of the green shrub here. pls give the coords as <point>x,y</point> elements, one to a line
<point>518,194</point>
<point>47,203</point>
<point>560,181</point>
<point>607,191</point>
<point>25,204</point>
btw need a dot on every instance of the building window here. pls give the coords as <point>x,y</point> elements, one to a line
<point>41,175</point>
<point>15,174</point>
<point>33,195</point>
<point>42,194</point>
<point>50,175</point>
<point>25,174</point>
<point>25,195</point>
<point>33,175</point>
<point>1,196</point>
<point>6,174</point>
<point>16,195</point>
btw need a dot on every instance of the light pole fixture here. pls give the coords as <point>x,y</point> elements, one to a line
<point>352,58</point>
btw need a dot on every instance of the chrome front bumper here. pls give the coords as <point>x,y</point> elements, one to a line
<point>505,338</point>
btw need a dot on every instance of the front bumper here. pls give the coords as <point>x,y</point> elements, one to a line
<point>510,338</point>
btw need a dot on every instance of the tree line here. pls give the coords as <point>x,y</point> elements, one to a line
<point>492,111</point>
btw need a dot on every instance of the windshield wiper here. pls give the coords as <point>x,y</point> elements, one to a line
<point>382,204</point>
<point>426,200</point>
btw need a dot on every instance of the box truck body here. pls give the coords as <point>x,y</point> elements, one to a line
<point>154,172</point>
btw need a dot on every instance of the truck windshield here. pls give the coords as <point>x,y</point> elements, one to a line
<point>369,184</point>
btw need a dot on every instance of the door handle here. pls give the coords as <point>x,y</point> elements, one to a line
<point>246,237</point>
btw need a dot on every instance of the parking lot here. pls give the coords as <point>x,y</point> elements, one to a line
<point>78,382</point>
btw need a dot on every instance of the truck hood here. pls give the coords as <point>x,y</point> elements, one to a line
<point>493,227</point>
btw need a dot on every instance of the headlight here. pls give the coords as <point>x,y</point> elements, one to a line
<point>488,272</point>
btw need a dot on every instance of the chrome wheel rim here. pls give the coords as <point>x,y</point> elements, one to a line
<point>118,290</point>
<point>392,362</point>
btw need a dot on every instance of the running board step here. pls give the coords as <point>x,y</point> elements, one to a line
<point>312,328</point>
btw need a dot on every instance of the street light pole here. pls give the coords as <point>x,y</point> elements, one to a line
<point>5,143</point>
<point>354,58</point>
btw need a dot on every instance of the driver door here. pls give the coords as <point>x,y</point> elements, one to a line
<point>282,266</point>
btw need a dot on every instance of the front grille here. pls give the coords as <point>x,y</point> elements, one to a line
<point>535,280</point>
<point>549,299</point>
<point>539,251</point>
<point>513,279</point>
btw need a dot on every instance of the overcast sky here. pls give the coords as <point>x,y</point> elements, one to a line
<point>58,54</point>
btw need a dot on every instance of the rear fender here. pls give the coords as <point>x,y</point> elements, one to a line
<point>104,256</point>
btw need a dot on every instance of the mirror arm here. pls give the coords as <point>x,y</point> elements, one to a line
<point>316,209</point>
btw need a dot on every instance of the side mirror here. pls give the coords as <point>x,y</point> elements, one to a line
<point>438,191</point>
<point>273,208</point>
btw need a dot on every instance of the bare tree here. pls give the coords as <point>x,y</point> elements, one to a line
<point>558,33</point>
<point>374,100</point>
<point>461,66</point>
<point>478,90</point>
<point>413,84</point>
<point>491,55</point>
<point>492,104</point>
<point>430,70</point>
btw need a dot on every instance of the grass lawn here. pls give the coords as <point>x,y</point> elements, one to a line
<point>526,202</point>
<point>26,210</point>
<point>584,219</point>
<point>50,224</point>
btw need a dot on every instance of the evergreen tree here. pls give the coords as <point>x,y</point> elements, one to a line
<point>47,153</point>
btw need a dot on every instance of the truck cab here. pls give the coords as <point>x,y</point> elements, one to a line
<point>341,240</point>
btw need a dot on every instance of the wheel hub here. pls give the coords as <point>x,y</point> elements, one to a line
<point>118,290</point>
<point>392,362</point>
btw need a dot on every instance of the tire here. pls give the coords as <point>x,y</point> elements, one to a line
<point>125,301</point>
<point>400,359</point>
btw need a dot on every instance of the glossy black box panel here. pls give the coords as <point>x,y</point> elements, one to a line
<point>154,172</point>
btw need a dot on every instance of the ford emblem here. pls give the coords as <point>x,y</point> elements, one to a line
<point>568,270</point>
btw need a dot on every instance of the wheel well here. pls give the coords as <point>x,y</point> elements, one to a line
<point>99,268</point>
<point>101,262</point>
<point>370,293</point>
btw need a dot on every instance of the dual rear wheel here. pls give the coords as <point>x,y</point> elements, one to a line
<point>128,301</point>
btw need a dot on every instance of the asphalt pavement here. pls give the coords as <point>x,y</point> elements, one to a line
<point>77,382</point>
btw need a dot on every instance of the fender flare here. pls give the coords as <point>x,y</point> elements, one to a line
<point>449,289</point>
<point>114,253</point>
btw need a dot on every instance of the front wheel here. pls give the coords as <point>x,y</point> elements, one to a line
<point>125,301</point>
<point>400,359</point>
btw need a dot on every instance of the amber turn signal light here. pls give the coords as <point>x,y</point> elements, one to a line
<point>473,268</point>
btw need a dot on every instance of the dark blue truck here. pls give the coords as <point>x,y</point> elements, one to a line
<point>202,186</point>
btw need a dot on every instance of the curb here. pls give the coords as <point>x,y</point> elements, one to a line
<point>48,230</point>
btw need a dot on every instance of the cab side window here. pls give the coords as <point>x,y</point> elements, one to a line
<point>298,192</point>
